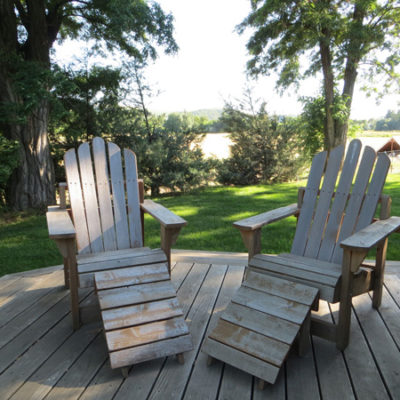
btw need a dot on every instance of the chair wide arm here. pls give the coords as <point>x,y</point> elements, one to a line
<point>250,228</point>
<point>59,223</point>
<point>372,235</point>
<point>258,221</point>
<point>171,224</point>
<point>164,216</point>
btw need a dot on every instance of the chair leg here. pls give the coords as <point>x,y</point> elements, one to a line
<point>343,329</point>
<point>181,358</point>
<point>261,384</point>
<point>125,372</point>
<point>66,273</point>
<point>304,336</point>
<point>73,284</point>
<point>379,274</point>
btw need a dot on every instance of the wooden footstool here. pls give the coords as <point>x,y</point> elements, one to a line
<point>141,315</point>
<point>260,325</point>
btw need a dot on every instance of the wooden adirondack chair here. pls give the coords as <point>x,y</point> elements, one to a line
<point>103,244</point>
<point>334,233</point>
<point>271,311</point>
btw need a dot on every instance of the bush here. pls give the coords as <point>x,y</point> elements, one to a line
<point>266,148</point>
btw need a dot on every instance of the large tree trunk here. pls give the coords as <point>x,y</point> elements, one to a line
<point>32,184</point>
<point>330,140</point>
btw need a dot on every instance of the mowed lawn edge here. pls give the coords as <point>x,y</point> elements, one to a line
<point>210,212</point>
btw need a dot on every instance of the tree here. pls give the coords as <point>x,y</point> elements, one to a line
<point>262,149</point>
<point>28,31</point>
<point>337,36</point>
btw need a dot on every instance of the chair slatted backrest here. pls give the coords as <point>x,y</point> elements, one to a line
<point>104,197</point>
<point>332,212</point>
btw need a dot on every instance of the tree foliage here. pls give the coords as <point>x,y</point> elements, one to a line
<point>337,37</point>
<point>90,102</point>
<point>28,31</point>
<point>266,148</point>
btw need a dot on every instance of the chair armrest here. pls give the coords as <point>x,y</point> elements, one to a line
<point>166,217</point>
<point>372,235</point>
<point>258,221</point>
<point>59,223</point>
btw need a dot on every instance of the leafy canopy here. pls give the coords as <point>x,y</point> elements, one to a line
<point>284,31</point>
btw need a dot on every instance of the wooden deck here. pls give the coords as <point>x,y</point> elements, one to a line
<point>41,357</point>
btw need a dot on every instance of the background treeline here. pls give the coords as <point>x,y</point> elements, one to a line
<point>112,103</point>
<point>390,122</point>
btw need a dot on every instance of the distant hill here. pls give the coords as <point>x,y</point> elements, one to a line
<point>211,113</point>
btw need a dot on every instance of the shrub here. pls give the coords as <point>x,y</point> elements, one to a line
<point>266,148</point>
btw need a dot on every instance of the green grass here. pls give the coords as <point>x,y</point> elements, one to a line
<point>24,242</point>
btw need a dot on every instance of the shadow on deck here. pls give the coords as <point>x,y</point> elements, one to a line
<point>41,357</point>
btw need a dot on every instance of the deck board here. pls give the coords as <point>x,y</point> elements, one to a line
<point>41,357</point>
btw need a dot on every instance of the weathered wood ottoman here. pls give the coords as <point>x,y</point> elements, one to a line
<point>260,325</point>
<point>141,315</point>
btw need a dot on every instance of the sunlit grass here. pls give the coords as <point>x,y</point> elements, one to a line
<point>210,212</point>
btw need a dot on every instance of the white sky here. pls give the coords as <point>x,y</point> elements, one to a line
<point>210,65</point>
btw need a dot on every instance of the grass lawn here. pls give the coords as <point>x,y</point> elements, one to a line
<point>24,242</point>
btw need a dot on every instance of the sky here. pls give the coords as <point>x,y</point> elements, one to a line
<point>210,67</point>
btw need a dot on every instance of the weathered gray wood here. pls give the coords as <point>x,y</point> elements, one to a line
<point>78,376</point>
<point>132,191</point>
<point>110,255</point>
<point>150,351</point>
<point>270,304</point>
<point>382,344</point>
<point>140,257</point>
<point>330,364</point>
<point>22,321</point>
<point>289,290</point>
<point>162,214</point>
<point>196,389</point>
<point>258,221</point>
<point>18,304</point>
<point>146,333</point>
<point>354,204</point>
<point>250,364</point>
<point>107,382</point>
<point>171,381</point>
<point>118,193</point>
<point>324,202</point>
<point>309,264</point>
<point>48,374</point>
<point>59,223</point>
<point>235,384</point>
<point>259,322</point>
<point>131,276</point>
<point>257,345</point>
<point>76,199</point>
<point>301,378</point>
<point>104,193</point>
<point>371,235</point>
<point>90,198</point>
<point>362,368</point>
<point>363,371</point>
<point>340,200</point>
<point>124,296</point>
<point>375,187</point>
<point>288,269</point>
<point>328,293</point>
<point>309,199</point>
<point>140,314</point>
